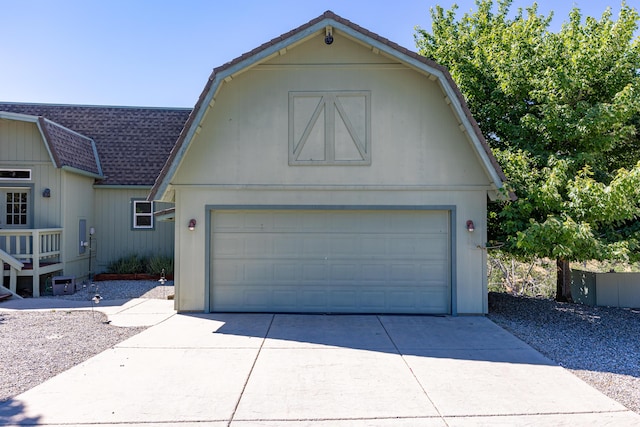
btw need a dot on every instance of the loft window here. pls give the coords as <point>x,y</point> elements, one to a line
<point>15,174</point>
<point>330,128</point>
<point>142,215</point>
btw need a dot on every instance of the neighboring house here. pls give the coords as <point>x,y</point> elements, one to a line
<point>330,170</point>
<point>73,187</point>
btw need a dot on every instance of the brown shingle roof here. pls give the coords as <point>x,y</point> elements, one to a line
<point>133,143</point>
<point>69,148</point>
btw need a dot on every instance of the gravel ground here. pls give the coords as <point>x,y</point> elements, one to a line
<point>37,345</point>
<point>598,344</point>
<point>120,289</point>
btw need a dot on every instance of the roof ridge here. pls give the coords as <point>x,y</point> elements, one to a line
<point>124,107</point>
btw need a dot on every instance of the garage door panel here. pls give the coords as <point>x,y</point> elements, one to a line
<point>258,246</point>
<point>401,300</point>
<point>286,246</point>
<point>314,272</point>
<point>373,246</point>
<point>229,245</point>
<point>313,300</point>
<point>373,300</point>
<point>314,221</point>
<point>345,245</point>
<point>257,221</point>
<point>287,223</point>
<point>228,220</point>
<point>285,272</point>
<point>327,261</point>
<point>344,300</point>
<point>284,299</point>
<point>374,274</point>
<point>257,272</point>
<point>229,296</point>
<point>315,245</point>
<point>347,272</point>
<point>228,272</point>
<point>402,272</point>
<point>433,271</point>
<point>344,222</point>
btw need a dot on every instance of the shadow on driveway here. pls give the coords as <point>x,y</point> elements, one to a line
<point>468,338</point>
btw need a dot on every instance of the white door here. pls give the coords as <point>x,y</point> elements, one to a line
<point>331,261</point>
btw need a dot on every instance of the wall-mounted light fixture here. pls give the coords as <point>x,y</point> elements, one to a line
<point>328,37</point>
<point>470,227</point>
<point>46,192</point>
<point>192,224</point>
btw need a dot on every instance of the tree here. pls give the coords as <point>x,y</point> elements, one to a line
<point>561,112</point>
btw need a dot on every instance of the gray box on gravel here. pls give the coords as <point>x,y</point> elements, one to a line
<point>583,287</point>
<point>63,285</point>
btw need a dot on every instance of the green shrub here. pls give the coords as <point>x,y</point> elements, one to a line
<point>138,264</point>
<point>130,264</point>
<point>157,263</point>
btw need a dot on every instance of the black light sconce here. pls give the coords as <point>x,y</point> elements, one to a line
<point>192,224</point>
<point>328,38</point>
<point>46,193</point>
<point>470,227</point>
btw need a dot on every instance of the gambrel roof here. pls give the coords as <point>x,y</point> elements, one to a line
<point>132,143</point>
<point>279,45</point>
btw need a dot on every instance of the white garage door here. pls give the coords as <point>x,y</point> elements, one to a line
<point>330,261</point>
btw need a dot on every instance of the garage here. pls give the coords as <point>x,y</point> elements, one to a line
<point>347,177</point>
<point>330,261</point>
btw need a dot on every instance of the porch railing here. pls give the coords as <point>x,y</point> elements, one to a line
<point>37,249</point>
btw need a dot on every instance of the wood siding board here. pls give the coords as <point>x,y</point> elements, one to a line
<point>114,236</point>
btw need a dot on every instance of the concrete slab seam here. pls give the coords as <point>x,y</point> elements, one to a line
<point>289,420</point>
<point>135,302</point>
<point>253,365</point>
<point>409,368</point>
<point>537,414</point>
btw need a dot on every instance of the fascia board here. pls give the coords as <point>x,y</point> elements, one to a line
<point>81,172</point>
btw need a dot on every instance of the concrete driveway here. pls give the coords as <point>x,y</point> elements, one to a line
<point>303,370</point>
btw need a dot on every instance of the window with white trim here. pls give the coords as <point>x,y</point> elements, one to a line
<point>15,174</point>
<point>142,214</point>
<point>16,207</point>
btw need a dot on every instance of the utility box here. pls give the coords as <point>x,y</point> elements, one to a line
<point>63,285</point>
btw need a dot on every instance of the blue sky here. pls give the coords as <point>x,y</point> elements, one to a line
<point>161,52</point>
